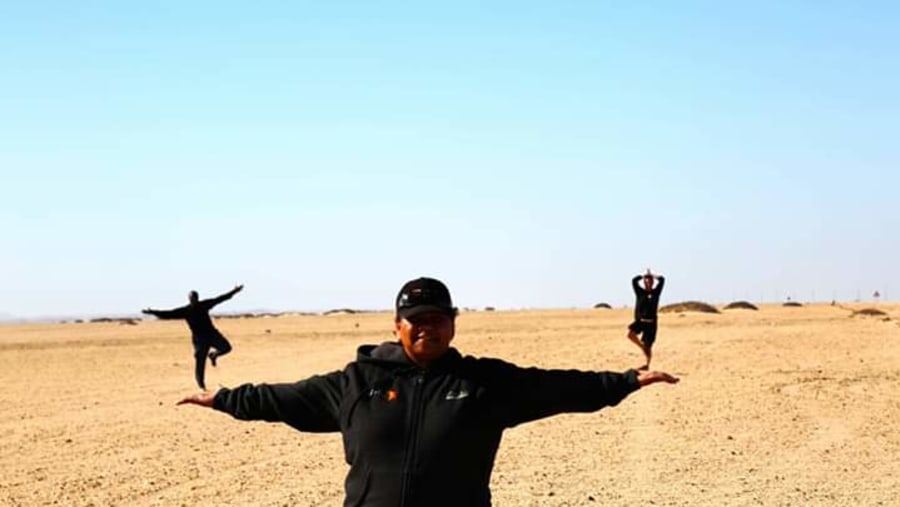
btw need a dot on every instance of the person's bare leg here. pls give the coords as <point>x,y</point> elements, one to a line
<point>635,340</point>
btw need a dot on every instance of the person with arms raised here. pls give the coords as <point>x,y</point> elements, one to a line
<point>646,306</point>
<point>204,334</point>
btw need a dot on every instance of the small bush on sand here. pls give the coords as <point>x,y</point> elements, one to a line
<point>603,305</point>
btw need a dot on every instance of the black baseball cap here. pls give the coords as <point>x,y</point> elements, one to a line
<point>424,295</point>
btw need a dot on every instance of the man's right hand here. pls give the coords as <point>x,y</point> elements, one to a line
<point>147,311</point>
<point>204,399</point>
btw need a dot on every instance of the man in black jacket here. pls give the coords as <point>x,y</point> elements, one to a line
<point>204,335</point>
<point>421,423</point>
<point>645,307</point>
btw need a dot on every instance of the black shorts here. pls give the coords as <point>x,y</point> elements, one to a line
<point>647,330</point>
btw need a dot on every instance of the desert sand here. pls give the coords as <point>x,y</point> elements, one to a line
<point>781,406</point>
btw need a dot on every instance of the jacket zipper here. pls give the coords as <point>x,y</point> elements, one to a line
<point>412,439</point>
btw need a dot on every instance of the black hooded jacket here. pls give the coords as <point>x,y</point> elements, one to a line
<point>415,437</point>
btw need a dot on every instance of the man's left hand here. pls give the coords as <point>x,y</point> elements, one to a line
<point>645,378</point>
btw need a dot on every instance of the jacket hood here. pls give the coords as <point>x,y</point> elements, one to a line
<point>391,355</point>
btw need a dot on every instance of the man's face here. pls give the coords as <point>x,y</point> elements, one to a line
<point>648,282</point>
<point>193,297</point>
<point>425,337</point>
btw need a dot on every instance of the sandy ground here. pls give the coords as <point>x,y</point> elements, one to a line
<point>784,406</point>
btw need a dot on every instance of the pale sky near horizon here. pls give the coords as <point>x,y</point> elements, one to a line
<point>530,154</point>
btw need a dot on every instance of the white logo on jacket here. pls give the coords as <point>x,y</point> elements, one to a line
<point>456,395</point>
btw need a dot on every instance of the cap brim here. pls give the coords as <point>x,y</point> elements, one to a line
<point>420,309</point>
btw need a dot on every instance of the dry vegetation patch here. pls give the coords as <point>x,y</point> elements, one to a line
<point>869,312</point>
<point>341,311</point>
<point>741,305</point>
<point>689,306</point>
<point>125,321</point>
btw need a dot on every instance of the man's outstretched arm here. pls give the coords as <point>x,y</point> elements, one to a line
<point>223,297</point>
<point>177,313</point>
<point>309,405</point>
<point>528,394</point>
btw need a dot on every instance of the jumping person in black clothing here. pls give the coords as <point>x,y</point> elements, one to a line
<point>204,335</point>
<point>645,307</point>
<point>421,423</point>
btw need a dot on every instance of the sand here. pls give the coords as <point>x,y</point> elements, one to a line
<point>782,406</point>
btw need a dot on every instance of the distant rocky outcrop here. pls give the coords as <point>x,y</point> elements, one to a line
<point>741,305</point>
<point>689,306</point>
<point>603,305</point>
<point>792,304</point>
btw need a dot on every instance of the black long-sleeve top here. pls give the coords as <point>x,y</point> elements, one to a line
<point>196,315</point>
<point>415,437</point>
<point>646,303</point>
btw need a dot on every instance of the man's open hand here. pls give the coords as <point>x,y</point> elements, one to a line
<point>645,378</point>
<point>204,399</point>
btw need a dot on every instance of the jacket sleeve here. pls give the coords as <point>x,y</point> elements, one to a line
<point>635,286</point>
<point>529,394</point>
<point>659,286</point>
<point>177,313</point>
<point>309,405</point>
<point>210,303</point>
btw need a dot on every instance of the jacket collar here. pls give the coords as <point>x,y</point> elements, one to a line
<point>391,355</point>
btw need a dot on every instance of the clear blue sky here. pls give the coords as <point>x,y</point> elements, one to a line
<point>530,154</point>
